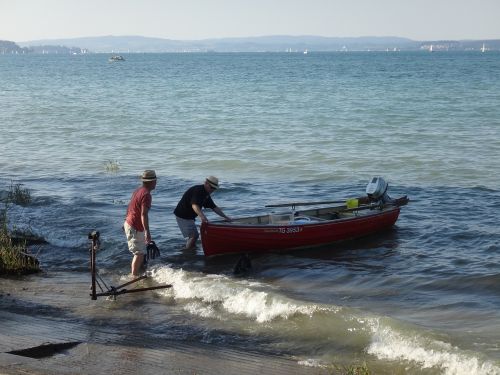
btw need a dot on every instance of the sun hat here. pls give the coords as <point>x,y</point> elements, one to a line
<point>213,182</point>
<point>148,175</point>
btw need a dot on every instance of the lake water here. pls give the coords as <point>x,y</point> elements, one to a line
<point>423,297</point>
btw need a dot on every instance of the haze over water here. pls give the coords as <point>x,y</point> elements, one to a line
<point>423,297</point>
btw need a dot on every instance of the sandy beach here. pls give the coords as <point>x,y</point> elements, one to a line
<point>51,326</point>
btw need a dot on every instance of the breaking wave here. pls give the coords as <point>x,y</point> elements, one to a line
<point>220,297</point>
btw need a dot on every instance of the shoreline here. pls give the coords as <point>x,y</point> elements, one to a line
<point>41,313</point>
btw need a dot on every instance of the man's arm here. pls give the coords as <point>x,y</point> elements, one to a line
<point>199,212</point>
<point>145,223</point>
<point>219,212</point>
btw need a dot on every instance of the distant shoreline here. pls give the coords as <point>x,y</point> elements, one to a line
<point>292,44</point>
<point>422,51</point>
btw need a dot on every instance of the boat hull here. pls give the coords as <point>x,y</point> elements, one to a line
<point>226,238</point>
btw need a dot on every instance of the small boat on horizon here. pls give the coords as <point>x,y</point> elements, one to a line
<point>116,58</point>
<point>483,48</point>
<point>292,230</point>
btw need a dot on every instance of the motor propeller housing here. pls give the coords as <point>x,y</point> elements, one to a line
<point>377,190</point>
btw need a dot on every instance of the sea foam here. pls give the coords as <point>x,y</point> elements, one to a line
<point>212,293</point>
<point>216,296</point>
<point>389,344</point>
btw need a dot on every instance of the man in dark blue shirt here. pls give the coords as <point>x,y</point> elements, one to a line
<point>191,204</point>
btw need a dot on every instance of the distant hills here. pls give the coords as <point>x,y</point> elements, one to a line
<point>249,44</point>
<point>11,47</point>
<point>8,47</point>
<point>134,44</point>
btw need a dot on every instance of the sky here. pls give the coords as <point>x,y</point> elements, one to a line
<point>26,20</point>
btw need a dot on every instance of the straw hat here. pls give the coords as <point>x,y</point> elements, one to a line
<point>148,175</point>
<point>213,182</point>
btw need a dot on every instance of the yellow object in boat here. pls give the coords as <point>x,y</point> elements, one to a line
<point>352,203</point>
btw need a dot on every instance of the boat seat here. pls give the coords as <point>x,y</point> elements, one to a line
<point>308,219</point>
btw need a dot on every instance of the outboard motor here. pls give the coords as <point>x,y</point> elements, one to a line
<point>377,190</point>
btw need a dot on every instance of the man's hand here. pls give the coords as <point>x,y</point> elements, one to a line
<point>147,236</point>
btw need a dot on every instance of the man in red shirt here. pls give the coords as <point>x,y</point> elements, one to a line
<point>137,223</point>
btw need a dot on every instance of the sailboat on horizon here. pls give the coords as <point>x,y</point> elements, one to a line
<point>483,48</point>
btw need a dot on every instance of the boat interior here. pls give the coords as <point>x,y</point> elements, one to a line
<point>308,216</point>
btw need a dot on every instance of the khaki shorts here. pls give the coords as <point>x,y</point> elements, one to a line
<point>135,240</point>
<point>187,227</point>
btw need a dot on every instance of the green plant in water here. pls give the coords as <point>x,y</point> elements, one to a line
<point>15,258</point>
<point>358,370</point>
<point>349,370</point>
<point>18,195</point>
<point>112,166</point>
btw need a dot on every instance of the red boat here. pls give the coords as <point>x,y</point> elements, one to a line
<point>299,229</point>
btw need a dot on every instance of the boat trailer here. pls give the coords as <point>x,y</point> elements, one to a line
<point>111,291</point>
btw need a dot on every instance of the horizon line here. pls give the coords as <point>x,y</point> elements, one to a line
<point>255,37</point>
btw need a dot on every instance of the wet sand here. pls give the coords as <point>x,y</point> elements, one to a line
<point>49,325</point>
